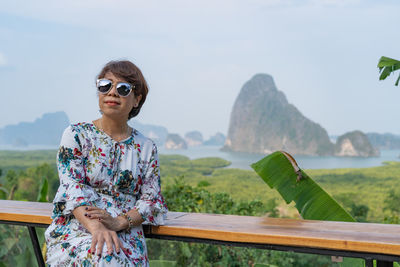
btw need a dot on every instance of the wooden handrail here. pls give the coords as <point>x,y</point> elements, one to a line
<point>377,239</point>
<point>26,212</point>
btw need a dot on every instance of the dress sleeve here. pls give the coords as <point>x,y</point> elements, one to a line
<point>74,189</point>
<point>151,204</point>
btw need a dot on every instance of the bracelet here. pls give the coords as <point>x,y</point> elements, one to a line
<point>128,218</point>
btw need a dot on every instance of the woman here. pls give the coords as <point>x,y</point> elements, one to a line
<point>109,180</point>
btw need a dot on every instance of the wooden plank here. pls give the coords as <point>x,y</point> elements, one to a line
<point>359,237</point>
<point>24,211</point>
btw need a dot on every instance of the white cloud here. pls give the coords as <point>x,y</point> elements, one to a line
<point>3,60</point>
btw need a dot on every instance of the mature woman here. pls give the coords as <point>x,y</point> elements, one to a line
<point>109,180</point>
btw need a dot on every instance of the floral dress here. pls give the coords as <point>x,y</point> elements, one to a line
<point>115,176</point>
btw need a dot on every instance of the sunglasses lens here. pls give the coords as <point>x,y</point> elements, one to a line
<point>104,85</point>
<point>124,89</point>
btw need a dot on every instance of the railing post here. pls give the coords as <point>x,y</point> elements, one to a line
<point>369,263</point>
<point>36,246</point>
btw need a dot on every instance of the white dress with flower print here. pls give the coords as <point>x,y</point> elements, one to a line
<point>115,176</point>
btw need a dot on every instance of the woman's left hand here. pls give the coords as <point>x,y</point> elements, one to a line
<point>112,223</point>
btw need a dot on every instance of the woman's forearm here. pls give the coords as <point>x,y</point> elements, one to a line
<point>135,216</point>
<point>92,217</point>
<point>88,223</point>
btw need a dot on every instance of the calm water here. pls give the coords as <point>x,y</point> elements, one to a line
<point>243,160</point>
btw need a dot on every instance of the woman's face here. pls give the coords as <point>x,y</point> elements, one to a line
<point>113,105</point>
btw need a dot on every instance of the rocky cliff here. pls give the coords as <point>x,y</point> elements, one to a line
<point>157,133</point>
<point>262,121</point>
<point>355,144</point>
<point>175,141</point>
<point>194,138</point>
<point>216,140</point>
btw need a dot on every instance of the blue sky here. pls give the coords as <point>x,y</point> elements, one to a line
<point>196,55</point>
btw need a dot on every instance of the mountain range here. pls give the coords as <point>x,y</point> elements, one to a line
<point>47,130</point>
<point>262,121</point>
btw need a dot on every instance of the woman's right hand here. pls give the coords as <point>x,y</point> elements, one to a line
<point>101,235</point>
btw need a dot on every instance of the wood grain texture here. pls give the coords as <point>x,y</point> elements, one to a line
<point>360,237</point>
<point>24,211</point>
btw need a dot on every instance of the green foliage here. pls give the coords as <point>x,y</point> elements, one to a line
<point>210,162</point>
<point>3,193</point>
<point>24,173</point>
<point>176,165</point>
<point>162,263</point>
<point>11,178</point>
<point>21,160</point>
<point>44,188</point>
<point>311,200</point>
<point>16,247</point>
<point>235,191</point>
<point>391,204</point>
<point>194,254</point>
<point>388,66</point>
<point>366,186</point>
<point>392,201</point>
<point>359,212</point>
<point>280,171</point>
<point>182,197</point>
<point>203,183</point>
<point>25,184</point>
<point>351,202</point>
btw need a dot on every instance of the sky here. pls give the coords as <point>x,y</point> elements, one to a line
<point>196,56</point>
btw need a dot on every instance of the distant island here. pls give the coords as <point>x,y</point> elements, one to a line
<point>155,132</point>
<point>355,144</point>
<point>263,121</point>
<point>46,130</point>
<point>192,138</point>
<point>384,141</point>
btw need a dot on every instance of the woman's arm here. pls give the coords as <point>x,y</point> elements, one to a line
<point>116,224</point>
<point>151,205</point>
<point>75,193</point>
<point>149,208</point>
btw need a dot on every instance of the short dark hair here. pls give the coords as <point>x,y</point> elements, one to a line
<point>132,74</point>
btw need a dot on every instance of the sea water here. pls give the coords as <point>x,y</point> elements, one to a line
<point>244,160</point>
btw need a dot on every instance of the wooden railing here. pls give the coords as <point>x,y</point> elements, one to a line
<point>369,241</point>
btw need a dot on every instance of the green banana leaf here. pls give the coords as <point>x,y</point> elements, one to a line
<point>44,188</point>
<point>387,66</point>
<point>280,171</point>
<point>3,193</point>
<point>312,202</point>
